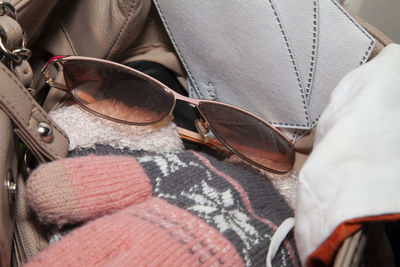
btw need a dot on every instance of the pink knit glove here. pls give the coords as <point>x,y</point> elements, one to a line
<point>172,209</point>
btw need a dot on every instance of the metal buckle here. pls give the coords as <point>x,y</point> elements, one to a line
<point>19,54</point>
<point>7,9</point>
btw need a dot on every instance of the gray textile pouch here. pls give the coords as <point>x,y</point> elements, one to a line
<point>278,59</point>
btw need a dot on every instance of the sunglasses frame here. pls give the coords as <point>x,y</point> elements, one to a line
<point>218,143</point>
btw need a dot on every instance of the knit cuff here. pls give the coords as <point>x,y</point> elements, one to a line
<point>77,189</point>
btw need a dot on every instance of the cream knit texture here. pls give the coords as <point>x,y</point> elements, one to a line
<point>85,129</point>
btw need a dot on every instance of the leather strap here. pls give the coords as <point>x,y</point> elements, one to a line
<point>10,29</point>
<point>26,114</point>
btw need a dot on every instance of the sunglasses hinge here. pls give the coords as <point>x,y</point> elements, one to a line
<point>203,128</point>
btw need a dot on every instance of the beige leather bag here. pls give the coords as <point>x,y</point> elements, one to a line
<point>27,134</point>
<point>24,124</point>
<point>131,30</point>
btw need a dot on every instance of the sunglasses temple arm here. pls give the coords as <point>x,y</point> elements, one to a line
<point>57,85</point>
<point>50,81</point>
<point>195,137</point>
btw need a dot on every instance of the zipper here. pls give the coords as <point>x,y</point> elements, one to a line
<point>27,242</point>
<point>18,255</point>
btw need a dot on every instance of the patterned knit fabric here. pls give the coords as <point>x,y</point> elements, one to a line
<point>169,209</point>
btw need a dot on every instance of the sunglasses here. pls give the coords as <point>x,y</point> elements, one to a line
<point>122,94</point>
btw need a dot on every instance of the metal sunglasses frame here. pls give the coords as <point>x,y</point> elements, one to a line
<point>202,124</point>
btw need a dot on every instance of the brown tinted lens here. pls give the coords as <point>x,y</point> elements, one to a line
<point>117,93</point>
<point>249,137</point>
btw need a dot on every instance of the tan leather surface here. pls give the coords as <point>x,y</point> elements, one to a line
<point>7,163</point>
<point>153,44</point>
<point>101,29</point>
<point>24,73</point>
<point>11,31</point>
<point>26,114</point>
<point>32,14</point>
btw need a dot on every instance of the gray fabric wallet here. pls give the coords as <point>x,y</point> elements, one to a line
<point>278,59</point>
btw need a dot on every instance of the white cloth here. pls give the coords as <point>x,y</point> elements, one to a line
<point>354,170</point>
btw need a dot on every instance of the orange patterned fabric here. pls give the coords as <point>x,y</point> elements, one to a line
<point>325,254</point>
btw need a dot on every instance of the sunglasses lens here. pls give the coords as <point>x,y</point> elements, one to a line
<point>117,93</point>
<point>249,137</point>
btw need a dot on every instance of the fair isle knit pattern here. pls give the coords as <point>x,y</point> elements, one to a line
<point>221,201</point>
<point>210,208</point>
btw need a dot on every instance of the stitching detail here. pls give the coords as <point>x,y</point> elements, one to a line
<point>373,40</point>
<point>132,9</point>
<point>189,73</point>
<point>294,135</point>
<point>314,50</point>
<point>298,134</point>
<point>280,124</point>
<point>305,95</point>
<point>194,83</point>
<point>367,53</point>
<point>67,36</point>
<point>300,84</point>
<point>35,105</point>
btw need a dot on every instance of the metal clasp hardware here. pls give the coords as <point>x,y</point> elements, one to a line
<point>45,131</point>
<point>17,55</point>
<point>7,9</point>
<point>11,187</point>
<point>203,128</point>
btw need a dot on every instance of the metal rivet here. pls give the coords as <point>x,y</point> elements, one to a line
<point>11,187</point>
<point>45,131</point>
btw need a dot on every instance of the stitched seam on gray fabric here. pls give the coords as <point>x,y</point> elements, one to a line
<point>294,136</point>
<point>367,53</point>
<point>280,124</point>
<point>133,5</point>
<point>35,105</point>
<point>363,60</point>
<point>299,133</point>
<point>314,51</point>
<point>191,77</point>
<point>371,45</point>
<point>300,84</point>
<point>67,36</point>
<point>195,86</point>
